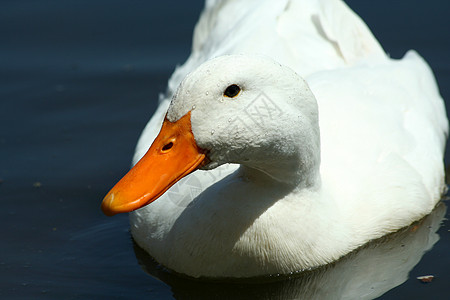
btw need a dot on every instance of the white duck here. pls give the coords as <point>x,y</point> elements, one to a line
<point>318,168</point>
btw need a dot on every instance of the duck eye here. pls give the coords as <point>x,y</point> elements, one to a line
<point>232,91</point>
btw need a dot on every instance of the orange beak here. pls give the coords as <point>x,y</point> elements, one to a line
<point>173,155</point>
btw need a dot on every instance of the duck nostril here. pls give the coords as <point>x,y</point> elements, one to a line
<point>167,146</point>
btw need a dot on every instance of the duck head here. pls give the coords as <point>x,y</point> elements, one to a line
<point>241,109</point>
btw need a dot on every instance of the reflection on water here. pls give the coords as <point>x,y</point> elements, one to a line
<point>364,274</point>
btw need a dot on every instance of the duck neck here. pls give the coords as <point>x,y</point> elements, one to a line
<point>290,150</point>
<point>296,172</point>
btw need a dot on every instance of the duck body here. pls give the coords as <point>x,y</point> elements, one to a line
<point>298,172</point>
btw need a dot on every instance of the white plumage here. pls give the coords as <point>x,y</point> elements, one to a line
<point>292,206</point>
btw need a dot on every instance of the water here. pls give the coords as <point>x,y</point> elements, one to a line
<point>78,82</point>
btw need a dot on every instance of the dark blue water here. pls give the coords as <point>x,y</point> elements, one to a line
<point>78,82</point>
